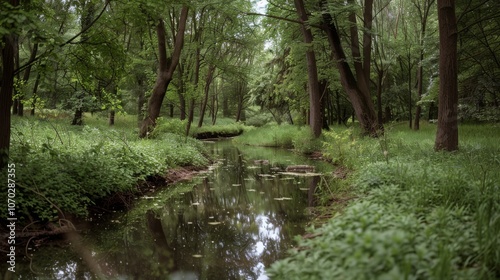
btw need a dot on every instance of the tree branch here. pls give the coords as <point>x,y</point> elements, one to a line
<point>284,19</point>
<point>65,43</point>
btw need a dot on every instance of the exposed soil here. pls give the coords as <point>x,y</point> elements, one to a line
<point>215,135</point>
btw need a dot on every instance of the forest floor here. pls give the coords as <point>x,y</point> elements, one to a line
<point>405,211</point>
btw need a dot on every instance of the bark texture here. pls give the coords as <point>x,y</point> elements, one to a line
<point>165,71</point>
<point>312,72</point>
<point>447,130</point>
<point>357,91</point>
<point>6,97</point>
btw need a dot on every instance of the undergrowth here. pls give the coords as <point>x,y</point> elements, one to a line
<point>422,215</point>
<point>288,136</point>
<point>64,169</point>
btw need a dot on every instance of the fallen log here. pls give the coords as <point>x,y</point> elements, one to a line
<point>300,168</point>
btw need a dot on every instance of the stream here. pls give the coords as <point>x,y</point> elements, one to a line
<point>231,221</point>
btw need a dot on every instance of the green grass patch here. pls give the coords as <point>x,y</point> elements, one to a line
<point>216,131</point>
<point>63,168</point>
<point>287,136</point>
<point>422,215</point>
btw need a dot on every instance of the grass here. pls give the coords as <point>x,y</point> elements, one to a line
<point>422,214</point>
<point>64,169</point>
<point>284,136</point>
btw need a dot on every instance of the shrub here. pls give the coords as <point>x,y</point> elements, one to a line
<point>174,126</point>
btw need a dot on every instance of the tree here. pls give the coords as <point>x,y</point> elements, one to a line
<point>424,10</point>
<point>7,83</point>
<point>357,87</point>
<point>447,130</point>
<point>312,72</point>
<point>166,70</point>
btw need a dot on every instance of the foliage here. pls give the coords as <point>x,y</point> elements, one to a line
<point>299,138</point>
<point>67,169</point>
<point>214,131</point>
<point>174,126</point>
<point>424,215</point>
<point>257,118</point>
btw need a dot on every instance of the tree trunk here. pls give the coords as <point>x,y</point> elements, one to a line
<point>380,82</point>
<point>35,90</point>
<point>26,77</point>
<point>424,14</point>
<point>420,79</point>
<point>77,117</point>
<point>165,72</point>
<point>141,100</point>
<point>312,73</point>
<point>323,86</point>
<point>447,130</point>
<point>17,100</point>
<point>6,95</point>
<point>360,100</point>
<point>190,116</point>
<point>410,116</point>
<point>112,117</point>
<point>208,81</point>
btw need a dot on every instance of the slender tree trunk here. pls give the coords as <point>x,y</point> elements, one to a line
<point>190,116</point>
<point>35,90</point>
<point>312,73</point>
<point>410,115</point>
<point>6,95</point>
<point>225,107</point>
<point>447,130</point>
<point>380,82</point>
<point>165,72</point>
<point>206,90</point>
<point>112,117</point>
<point>240,114</point>
<point>424,14</point>
<point>182,101</point>
<point>26,77</point>
<point>141,100</point>
<point>17,94</point>
<point>420,79</point>
<point>323,86</point>
<point>360,100</point>
<point>431,112</point>
<point>215,105</point>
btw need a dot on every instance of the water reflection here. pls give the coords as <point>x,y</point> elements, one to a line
<point>232,224</point>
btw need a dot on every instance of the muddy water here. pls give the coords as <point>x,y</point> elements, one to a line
<point>228,223</point>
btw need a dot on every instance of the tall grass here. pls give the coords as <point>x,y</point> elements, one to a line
<point>423,215</point>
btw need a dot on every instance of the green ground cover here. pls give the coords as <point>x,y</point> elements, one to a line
<point>65,169</point>
<point>420,214</point>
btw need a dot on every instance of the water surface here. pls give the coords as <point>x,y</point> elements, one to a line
<point>230,222</point>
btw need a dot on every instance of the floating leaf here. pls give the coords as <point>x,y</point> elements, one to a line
<point>300,174</point>
<point>251,190</point>
<point>214,223</point>
<point>197,256</point>
<point>236,185</point>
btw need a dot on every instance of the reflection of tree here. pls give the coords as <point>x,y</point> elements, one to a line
<point>311,199</point>
<point>215,239</point>
<point>164,250</point>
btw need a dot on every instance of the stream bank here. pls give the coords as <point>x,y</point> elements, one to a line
<point>232,220</point>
